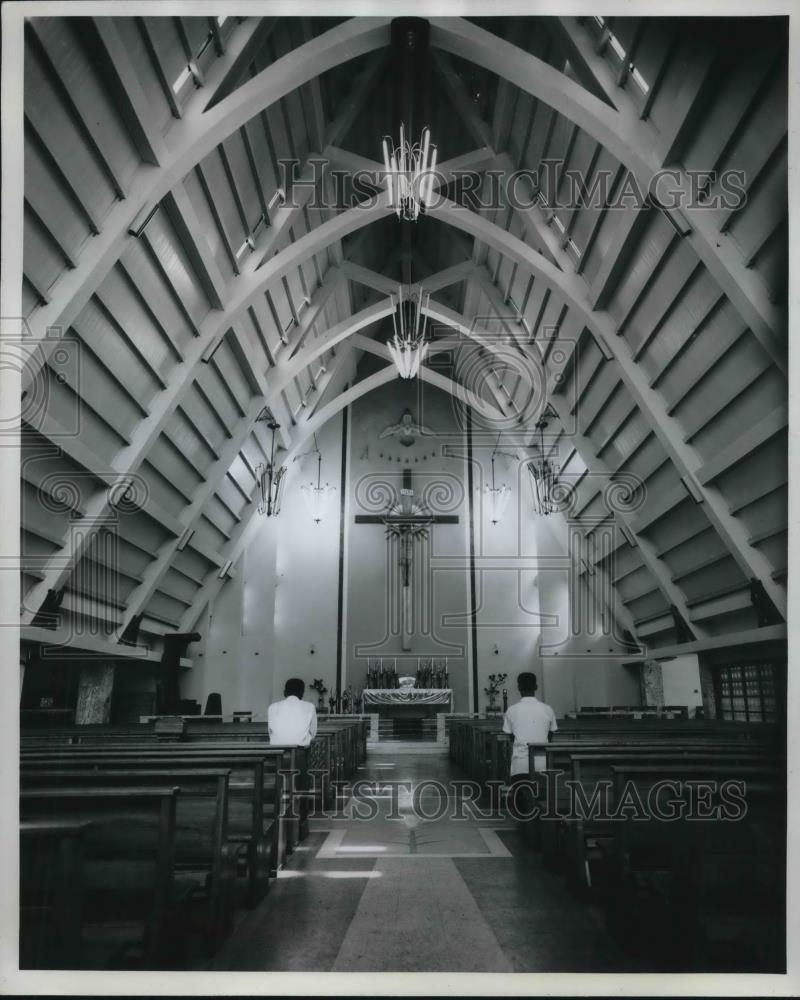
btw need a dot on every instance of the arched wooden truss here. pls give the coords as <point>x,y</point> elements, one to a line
<point>219,343</point>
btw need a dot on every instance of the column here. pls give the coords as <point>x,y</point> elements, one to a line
<point>95,687</point>
<point>652,680</point>
<point>707,689</point>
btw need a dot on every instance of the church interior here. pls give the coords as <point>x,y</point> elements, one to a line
<point>401,355</point>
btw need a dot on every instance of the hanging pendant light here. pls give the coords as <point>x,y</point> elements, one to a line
<point>318,496</point>
<point>410,169</point>
<point>544,478</point>
<point>270,479</point>
<point>497,497</point>
<point>408,347</point>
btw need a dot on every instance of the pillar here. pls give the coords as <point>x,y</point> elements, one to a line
<point>95,686</point>
<point>652,680</point>
<point>707,689</point>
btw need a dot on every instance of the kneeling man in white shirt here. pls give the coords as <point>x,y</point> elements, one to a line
<point>292,722</point>
<point>530,721</point>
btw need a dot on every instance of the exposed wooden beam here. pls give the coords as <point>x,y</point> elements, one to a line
<point>432,377</point>
<point>282,374</point>
<point>118,70</point>
<point>353,104</point>
<point>575,293</point>
<point>65,638</point>
<point>247,49</point>
<point>317,125</point>
<point>687,460</point>
<point>56,59</point>
<point>600,472</point>
<point>531,217</point>
<point>631,140</point>
<point>139,597</point>
<point>695,78</point>
<point>449,276</point>
<point>244,531</point>
<point>128,461</point>
<point>191,140</point>
<point>618,255</point>
<point>754,637</point>
<point>369,278</point>
<point>184,218</point>
<point>166,85</point>
<point>745,444</point>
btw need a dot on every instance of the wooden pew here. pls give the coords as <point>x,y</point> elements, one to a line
<point>470,746</point>
<point>582,836</point>
<point>129,873</point>
<point>276,815</point>
<point>265,813</point>
<point>348,732</point>
<point>695,880</point>
<point>622,729</point>
<point>322,757</point>
<point>284,779</point>
<point>205,859</point>
<point>548,833</point>
<point>51,893</point>
<point>335,752</point>
<point>252,821</point>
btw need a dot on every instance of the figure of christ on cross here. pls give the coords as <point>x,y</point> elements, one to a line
<point>408,522</point>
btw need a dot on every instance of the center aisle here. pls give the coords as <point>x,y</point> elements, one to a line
<point>395,891</point>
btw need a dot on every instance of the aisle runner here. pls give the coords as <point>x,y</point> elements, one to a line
<point>413,840</point>
<point>422,918</point>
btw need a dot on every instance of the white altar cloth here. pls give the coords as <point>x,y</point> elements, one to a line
<point>409,696</point>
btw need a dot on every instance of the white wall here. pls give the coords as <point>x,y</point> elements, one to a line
<point>284,599</point>
<point>681,678</point>
<point>307,571</point>
<point>577,656</point>
<point>509,620</point>
<point>236,654</point>
<point>376,473</point>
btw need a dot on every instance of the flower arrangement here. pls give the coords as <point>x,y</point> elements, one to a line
<point>319,687</point>
<point>495,682</point>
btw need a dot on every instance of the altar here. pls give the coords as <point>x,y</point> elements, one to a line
<point>407,713</point>
<point>407,696</point>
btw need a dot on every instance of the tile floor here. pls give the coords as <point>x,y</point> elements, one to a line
<point>382,889</point>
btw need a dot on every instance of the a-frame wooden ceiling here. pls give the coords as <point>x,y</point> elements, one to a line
<point>189,295</point>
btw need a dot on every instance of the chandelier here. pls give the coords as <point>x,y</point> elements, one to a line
<point>544,478</point>
<point>497,497</point>
<point>270,479</point>
<point>408,347</point>
<point>318,497</point>
<point>409,173</point>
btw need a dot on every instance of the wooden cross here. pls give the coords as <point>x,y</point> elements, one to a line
<point>406,524</point>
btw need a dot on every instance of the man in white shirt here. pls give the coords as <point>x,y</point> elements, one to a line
<point>529,721</point>
<point>292,722</point>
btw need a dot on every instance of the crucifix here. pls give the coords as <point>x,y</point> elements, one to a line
<point>408,522</point>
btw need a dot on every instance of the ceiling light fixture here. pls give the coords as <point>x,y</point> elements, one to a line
<point>544,477</point>
<point>408,346</point>
<point>270,479</point>
<point>497,496</point>
<point>409,170</point>
<point>318,497</point>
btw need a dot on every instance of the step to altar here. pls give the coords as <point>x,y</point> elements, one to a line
<point>404,727</point>
<point>393,748</point>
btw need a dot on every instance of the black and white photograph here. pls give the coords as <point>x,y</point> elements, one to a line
<point>395,463</point>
